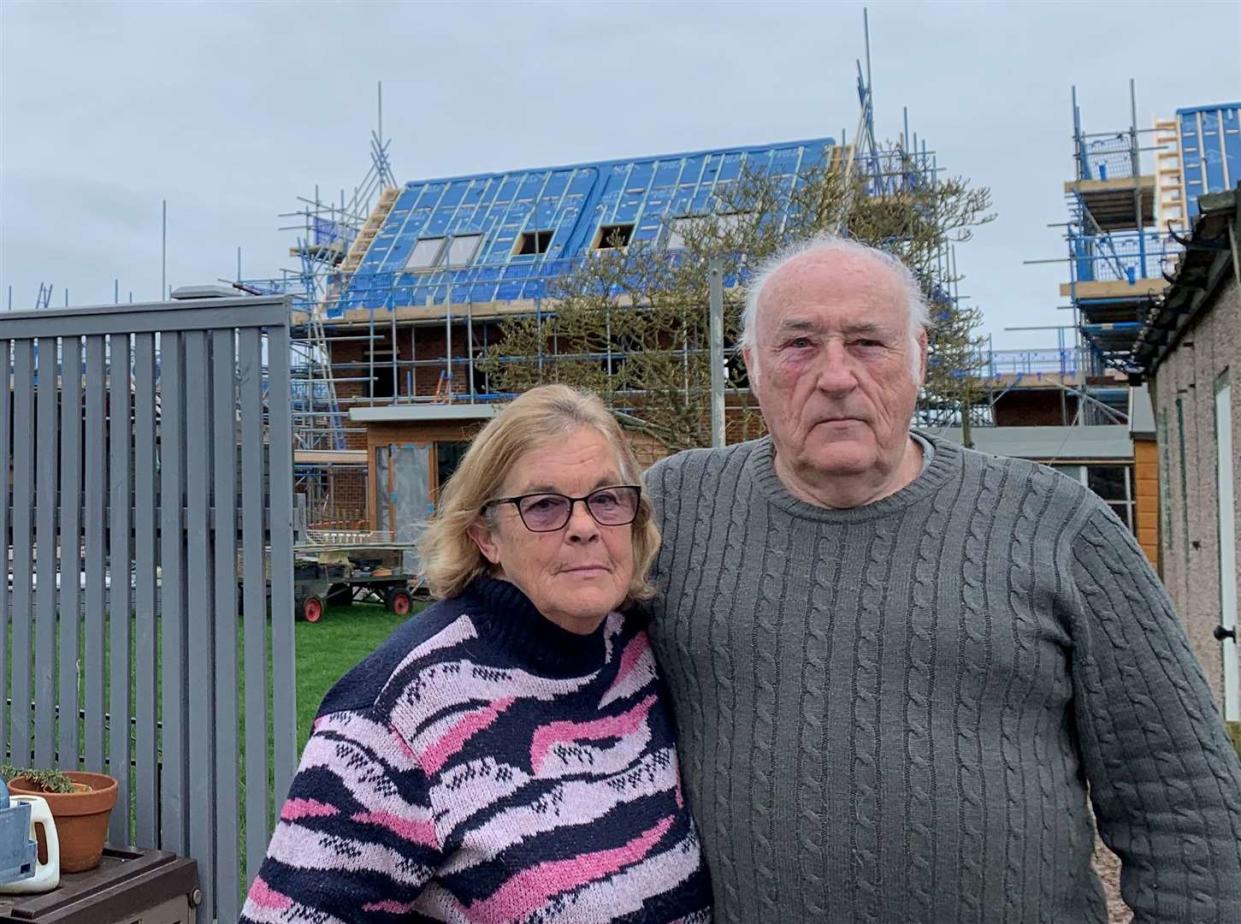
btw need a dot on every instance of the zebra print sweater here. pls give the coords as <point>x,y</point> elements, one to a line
<point>485,765</point>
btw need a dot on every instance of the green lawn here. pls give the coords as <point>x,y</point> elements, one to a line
<point>327,649</point>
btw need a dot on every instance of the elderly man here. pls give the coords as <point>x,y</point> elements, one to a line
<point>900,668</point>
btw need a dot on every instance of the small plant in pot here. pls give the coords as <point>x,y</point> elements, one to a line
<point>80,803</point>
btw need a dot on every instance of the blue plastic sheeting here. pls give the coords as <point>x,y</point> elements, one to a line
<point>434,221</point>
<point>1210,150</point>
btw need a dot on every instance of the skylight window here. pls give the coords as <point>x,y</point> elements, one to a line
<point>676,233</point>
<point>530,243</point>
<point>425,255</point>
<point>614,236</point>
<point>462,249</point>
<point>732,222</point>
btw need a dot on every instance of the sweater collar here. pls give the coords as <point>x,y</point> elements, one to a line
<point>944,462</point>
<point>523,634</point>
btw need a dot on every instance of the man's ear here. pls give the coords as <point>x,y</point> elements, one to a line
<point>922,351</point>
<point>751,369</point>
<point>481,534</point>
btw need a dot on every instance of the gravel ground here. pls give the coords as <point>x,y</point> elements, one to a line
<point>1108,866</point>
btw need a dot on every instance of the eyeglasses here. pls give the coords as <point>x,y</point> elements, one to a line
<point>545,513</point>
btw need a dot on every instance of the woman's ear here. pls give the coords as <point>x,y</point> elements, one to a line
<point>480,533</point>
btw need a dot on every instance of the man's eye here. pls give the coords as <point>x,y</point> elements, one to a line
<point>868,343</point>
<point>799,343</point>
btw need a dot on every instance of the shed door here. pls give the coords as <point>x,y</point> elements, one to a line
<point>1227,474</point>
<point>404,488</point>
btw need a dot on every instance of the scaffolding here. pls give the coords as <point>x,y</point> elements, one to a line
<point>331,236</point>
<point>427,268</point>
<point>1117,253</point>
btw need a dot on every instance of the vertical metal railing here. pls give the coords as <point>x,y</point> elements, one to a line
<point>146,511</point>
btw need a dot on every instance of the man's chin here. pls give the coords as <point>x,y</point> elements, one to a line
<point>841,457</point>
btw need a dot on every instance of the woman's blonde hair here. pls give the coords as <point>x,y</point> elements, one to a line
<point>450,559</point>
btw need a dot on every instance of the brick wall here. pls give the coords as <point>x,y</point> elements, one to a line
<point>1034,408</point>
<point>335,496</point>
<point>348,496</point>
<point>1183,393</point>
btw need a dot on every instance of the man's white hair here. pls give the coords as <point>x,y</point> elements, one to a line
<point>915,301</point>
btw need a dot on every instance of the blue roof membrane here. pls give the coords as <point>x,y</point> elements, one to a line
<point>1210,150</point>
<point>571,202</point>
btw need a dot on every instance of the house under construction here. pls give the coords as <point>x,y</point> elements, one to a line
<point>398,310</point>
<point>419,294</point>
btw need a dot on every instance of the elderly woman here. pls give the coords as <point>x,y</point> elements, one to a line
<point>507,755</point>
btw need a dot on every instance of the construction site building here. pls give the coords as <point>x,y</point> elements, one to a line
<point>417,295</point>
<point>1133,195</point>
<point>400,299</point>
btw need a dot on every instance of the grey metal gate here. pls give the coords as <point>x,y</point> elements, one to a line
<point>148,474</point>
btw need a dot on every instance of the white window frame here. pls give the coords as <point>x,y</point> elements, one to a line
<point>446,256</point>
<point>426,266</point>
<point>1078,471</point>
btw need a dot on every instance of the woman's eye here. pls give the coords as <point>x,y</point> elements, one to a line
<point>604,499</point>
<point>540,504</point>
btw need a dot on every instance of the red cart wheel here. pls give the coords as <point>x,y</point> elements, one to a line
<point>312,609</point>
<point>400,602</point>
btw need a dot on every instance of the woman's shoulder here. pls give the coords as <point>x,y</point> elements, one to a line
<point>432,633</point>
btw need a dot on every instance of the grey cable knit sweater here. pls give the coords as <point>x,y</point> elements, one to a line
<point>892,712</point>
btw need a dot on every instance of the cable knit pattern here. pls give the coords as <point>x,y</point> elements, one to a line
<point>485,765</point>
<point>895,712</point>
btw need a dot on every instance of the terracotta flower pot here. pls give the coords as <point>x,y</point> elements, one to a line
<point>81,817</point>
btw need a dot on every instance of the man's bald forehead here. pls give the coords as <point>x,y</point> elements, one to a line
<point>829,266</point>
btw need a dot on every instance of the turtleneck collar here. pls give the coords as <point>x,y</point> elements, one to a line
<point>515,625</point>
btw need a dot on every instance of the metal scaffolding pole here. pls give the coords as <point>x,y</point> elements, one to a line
<point>716,324</point>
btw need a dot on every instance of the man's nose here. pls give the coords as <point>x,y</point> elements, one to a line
<point>836,374</point>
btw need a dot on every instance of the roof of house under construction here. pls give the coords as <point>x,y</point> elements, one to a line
<point>501,236</point>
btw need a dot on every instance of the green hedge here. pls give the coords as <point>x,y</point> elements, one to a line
<point>1234,729</point>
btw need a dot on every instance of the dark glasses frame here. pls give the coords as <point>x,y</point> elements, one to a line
<point>585,499</point>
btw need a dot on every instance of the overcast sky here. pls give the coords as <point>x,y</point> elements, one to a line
<point>232,110</point>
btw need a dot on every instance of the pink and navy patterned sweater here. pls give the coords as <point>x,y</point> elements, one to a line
<point>485,765</point>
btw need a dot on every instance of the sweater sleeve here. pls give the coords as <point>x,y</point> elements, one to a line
<point>1164,779</point>
<point>356,840</point>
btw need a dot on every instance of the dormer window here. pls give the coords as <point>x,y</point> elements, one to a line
<point>731,222</point>
<point>675,239</point>
<point>530,243</point>
<point>613,236</point>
